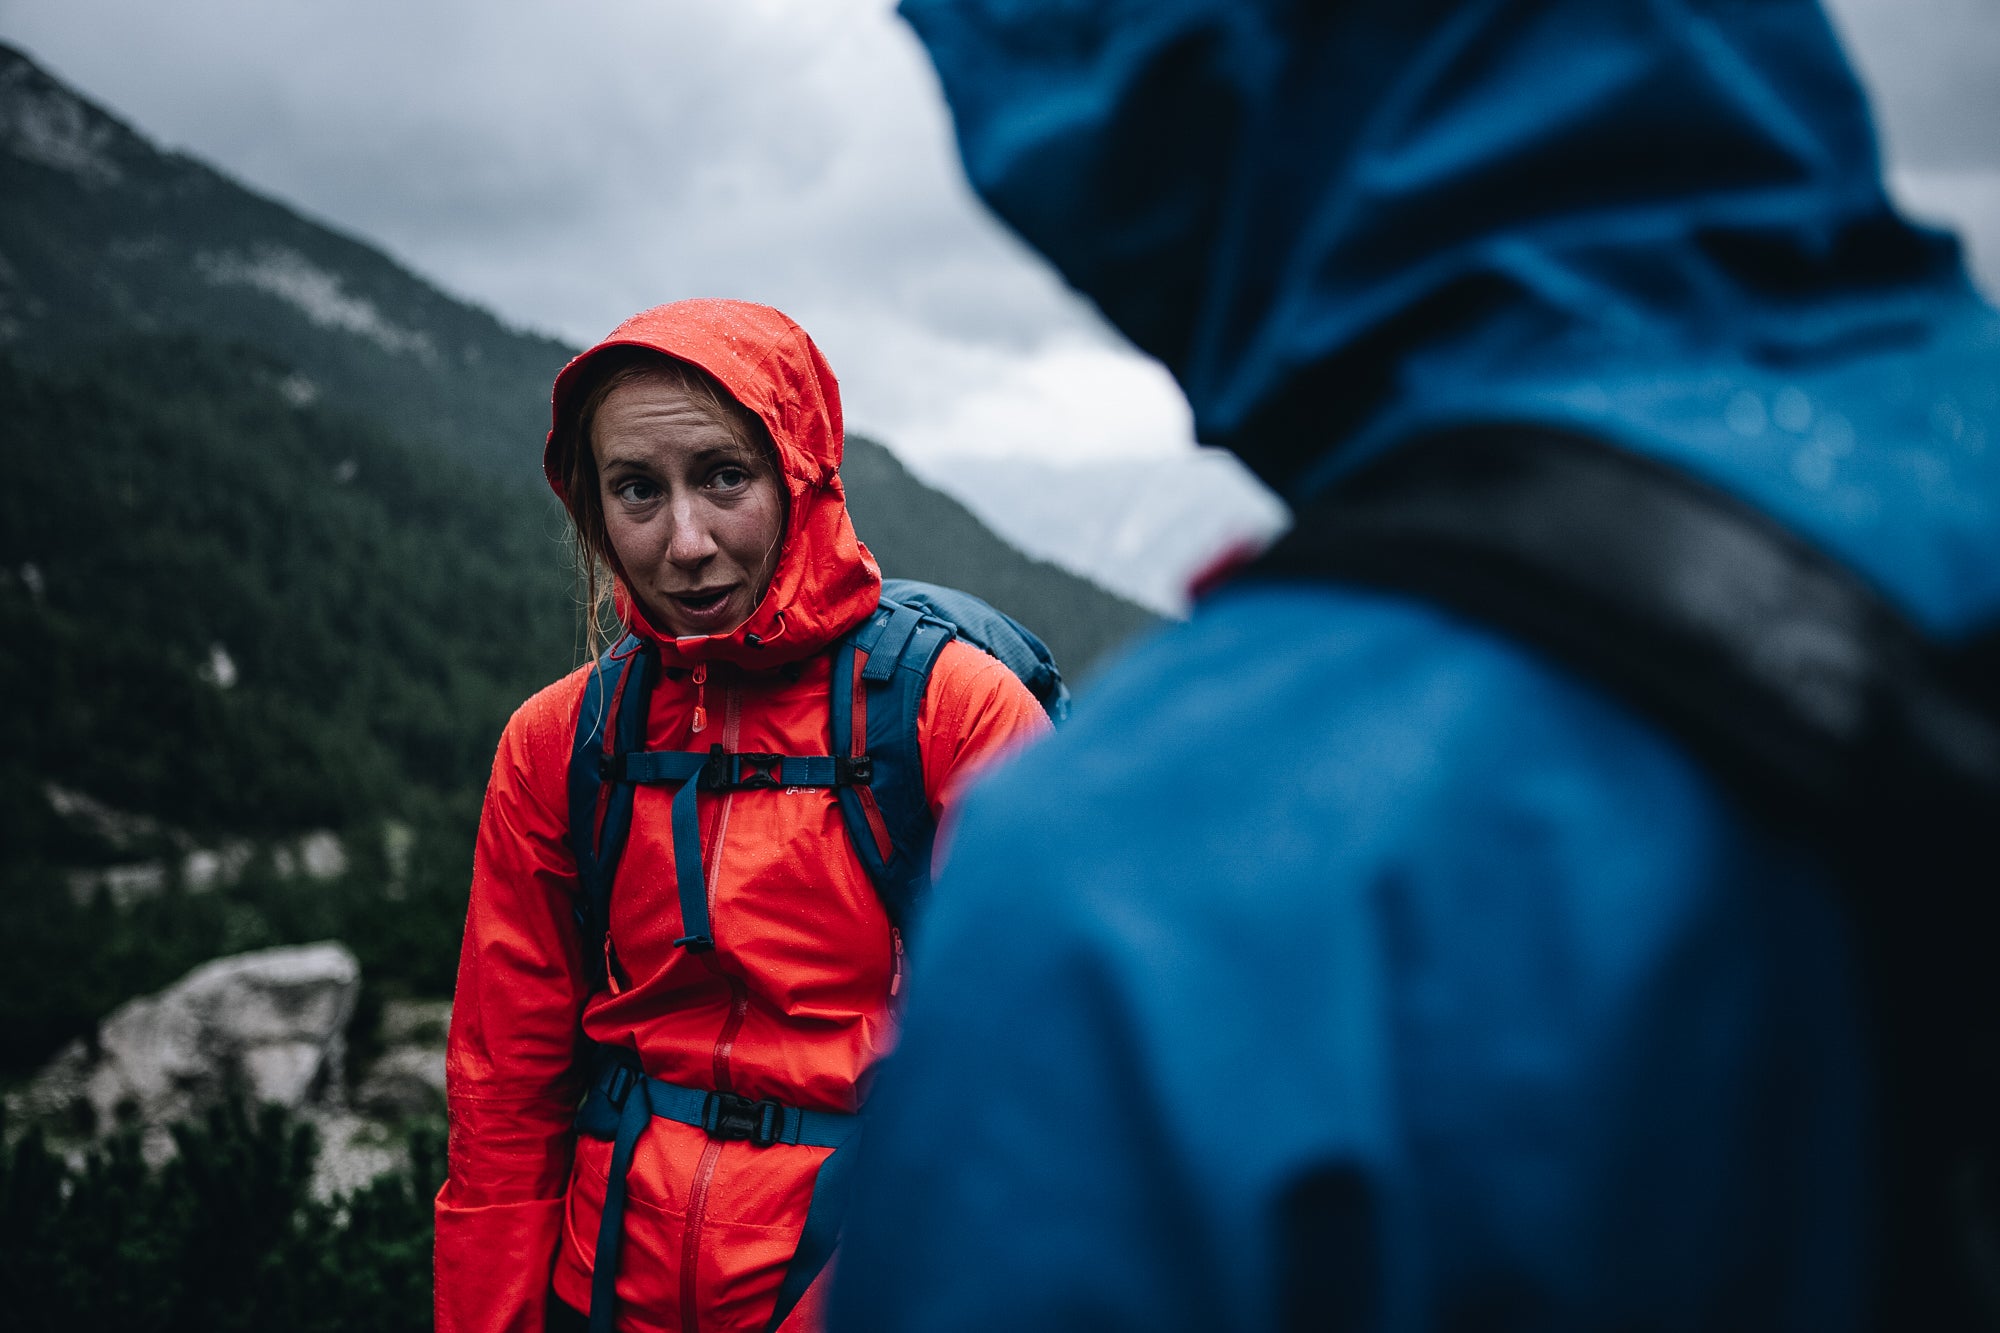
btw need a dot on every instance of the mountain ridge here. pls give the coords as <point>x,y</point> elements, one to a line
<point>102,232</point>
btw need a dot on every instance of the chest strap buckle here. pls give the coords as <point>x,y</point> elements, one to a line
<point>727,1116</point>
<point>759,772</point>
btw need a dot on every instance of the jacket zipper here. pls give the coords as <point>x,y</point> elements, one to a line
<point>691,1235</point>
<point>739,1007</point>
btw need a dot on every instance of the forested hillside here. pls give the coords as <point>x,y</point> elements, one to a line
<point>103,235</point>
<point>230,620</point>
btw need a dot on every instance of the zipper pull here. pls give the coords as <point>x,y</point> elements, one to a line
<point>700,695</point>
<point>896,962</point>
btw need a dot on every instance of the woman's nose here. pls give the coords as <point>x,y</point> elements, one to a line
<point>691,542</point>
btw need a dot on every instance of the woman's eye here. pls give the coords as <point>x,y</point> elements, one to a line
<point>729,478</point>
<point>635,491</point>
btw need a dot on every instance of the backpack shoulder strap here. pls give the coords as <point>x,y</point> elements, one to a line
<point>610,722</point>
<point>1778,665</point>
<point>880,672</point>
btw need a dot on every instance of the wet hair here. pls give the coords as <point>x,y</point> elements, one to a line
<point>590,540</point>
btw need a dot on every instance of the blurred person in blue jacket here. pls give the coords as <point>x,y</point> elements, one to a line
<point>1346,963</point>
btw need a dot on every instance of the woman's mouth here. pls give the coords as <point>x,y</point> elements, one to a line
<point>702,611</point>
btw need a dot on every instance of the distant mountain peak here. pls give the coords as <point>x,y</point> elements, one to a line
<point>105,234</point>
<point>44,122</point>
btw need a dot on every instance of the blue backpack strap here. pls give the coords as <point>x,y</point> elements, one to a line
<point>714,770</point>
<point>821,1235</point>
<point>600,800</point>
<point>888,817</point>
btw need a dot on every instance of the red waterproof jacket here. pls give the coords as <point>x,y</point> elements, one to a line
<point>794,1002</point>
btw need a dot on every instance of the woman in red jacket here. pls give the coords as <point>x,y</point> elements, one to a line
<point>696,450</point>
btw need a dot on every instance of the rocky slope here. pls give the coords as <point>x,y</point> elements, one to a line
<point>270,1027</point>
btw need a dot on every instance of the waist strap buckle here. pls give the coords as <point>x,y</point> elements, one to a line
<point>619,1080</point>
<point>727,1116</point>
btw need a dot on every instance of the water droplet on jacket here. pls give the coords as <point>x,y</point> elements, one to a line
<point>1745,414</point>
<point>1834,435</point>
<point>1813,467</point>
<point>1792,410</point>
<point>1947,420</point>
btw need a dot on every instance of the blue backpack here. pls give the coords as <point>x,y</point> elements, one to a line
<point>880,670</point>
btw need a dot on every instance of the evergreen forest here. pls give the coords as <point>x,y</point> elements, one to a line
<point>381,609</point>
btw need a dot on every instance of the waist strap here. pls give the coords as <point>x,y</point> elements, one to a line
<point>623,1099</point>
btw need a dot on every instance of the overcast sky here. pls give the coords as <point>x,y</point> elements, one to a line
<point>566,162</point>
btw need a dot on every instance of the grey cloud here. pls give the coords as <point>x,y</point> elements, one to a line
<point>569,161</point>
<point>1933,67</point>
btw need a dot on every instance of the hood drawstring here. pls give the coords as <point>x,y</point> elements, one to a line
<point>700,695</point>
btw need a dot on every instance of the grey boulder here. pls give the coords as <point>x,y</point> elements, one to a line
<point>268,1024</point>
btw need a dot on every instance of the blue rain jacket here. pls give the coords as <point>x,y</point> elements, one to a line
<point>1345,965</point>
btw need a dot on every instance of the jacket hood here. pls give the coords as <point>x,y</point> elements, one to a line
<point>1280,198</point>
<point>825,582</point>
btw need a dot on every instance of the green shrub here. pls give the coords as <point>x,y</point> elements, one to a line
<point>225,1238</point>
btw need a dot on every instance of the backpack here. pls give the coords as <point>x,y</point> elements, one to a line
<point>1815,702</point>
<point>881,669</point>
<point>875,770</point>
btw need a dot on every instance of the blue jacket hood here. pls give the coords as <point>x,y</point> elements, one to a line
<point>1658,221</point>
<point>1278,197</point>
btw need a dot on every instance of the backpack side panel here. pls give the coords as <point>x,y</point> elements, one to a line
<point>987,627</point>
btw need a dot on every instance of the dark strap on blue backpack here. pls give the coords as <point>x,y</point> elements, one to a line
<point>1783,669</point>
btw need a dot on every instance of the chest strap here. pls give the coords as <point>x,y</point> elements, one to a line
<point>623,1099</point>
<point>718,770</point>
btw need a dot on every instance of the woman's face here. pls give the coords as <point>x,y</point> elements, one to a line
<point>695,519</point>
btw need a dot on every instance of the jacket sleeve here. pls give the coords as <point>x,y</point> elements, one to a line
<point>974,712</point>
<point>511,1070</point>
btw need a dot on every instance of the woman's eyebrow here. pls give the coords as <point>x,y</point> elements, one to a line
<point>734,453</point>
<point>644,459</point>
